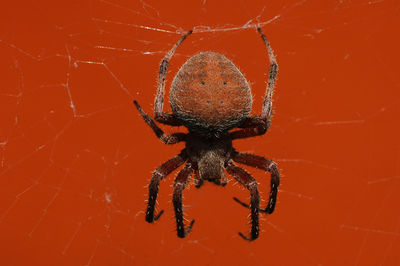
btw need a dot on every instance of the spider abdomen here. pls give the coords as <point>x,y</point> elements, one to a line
<point>209,94</point>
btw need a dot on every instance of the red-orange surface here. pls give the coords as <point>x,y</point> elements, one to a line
<point>76,158</point>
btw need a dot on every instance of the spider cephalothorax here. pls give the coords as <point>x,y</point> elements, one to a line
<point>210,97</point>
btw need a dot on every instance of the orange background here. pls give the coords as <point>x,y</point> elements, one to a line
<point>76,158</point>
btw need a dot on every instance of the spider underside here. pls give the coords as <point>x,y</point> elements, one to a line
<point>209,151</point>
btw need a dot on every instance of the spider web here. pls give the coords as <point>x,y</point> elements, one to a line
<point>76,158</point>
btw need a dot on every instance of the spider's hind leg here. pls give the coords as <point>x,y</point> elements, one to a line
<point>259,124</point>
<point>159,115</point>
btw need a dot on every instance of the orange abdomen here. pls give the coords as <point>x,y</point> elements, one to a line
<point>209,94</point>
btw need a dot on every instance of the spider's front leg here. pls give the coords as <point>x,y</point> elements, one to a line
<point>266,165</point>
<point>159,174</point>
<point>250,183</point>
<point>179,185</point>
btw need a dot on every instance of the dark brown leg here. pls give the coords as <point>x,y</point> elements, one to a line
<point>250,183</point>
<point>266,112</point>
<point>159,115</point>
<point>258,125</point>
<point>264,164</point>
<point>252,126</point>
<point>166,139</point>
<point>179,185</point>
<point>159,174</point>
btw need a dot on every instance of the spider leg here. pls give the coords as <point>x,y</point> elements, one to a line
<point>250,183</point>
<point>179,185</point>
<point>266,112</point>
<point>258,125</point>
<point>158,175</point>
<point>264,164</point>
<point>166,139</point>
<point>159,115</point>
<point>251,127</point>
<point>241,203</point>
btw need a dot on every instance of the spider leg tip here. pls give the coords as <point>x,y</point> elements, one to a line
<point>158,215</point>
<point>268,210</point>
<point>189,227</point>
<point>241,202</point>
<point>247,238</point>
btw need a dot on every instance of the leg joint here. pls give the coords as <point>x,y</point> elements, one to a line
<point>157,174</point>
<point>252,185</point>
<point>272,166</point>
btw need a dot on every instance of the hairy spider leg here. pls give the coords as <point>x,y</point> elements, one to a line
<point>258,125</point>
<point>179,185</point>
<point>159,174</point>
<point>166,139</point>
<point>273,71</point>
<point>264,164</point>
<point>159,114</point>
<point>250,183</point>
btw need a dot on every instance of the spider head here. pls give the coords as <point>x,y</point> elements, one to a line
<point>209,94</point>
<point>211,167</point>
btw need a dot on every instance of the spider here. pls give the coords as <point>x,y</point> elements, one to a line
<point>210,97</point>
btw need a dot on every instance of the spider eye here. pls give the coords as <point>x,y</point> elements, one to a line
<point>202,83</point>
<point>225,83</point>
